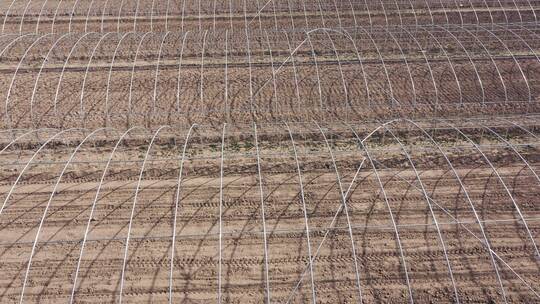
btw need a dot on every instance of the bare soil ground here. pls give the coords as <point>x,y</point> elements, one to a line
<point>269,151</point>
<point>197,250</point>
<point>126,79</point>
<point>166,15</point>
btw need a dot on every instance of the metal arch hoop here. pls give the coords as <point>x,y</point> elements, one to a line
<point>39,16</point>
<point>391,214</point>
<point>133,71</point>
<point>179,70</point>
<point>62,72</point>
<point>368,13</point>
<point>384,12</point>
<point>8,196</point>
<point>45,211</point>
<point>88,15</point>
<point>346,209</point>
<point>71,15</point>
<point>226,86</point>
<point>110,73</point>
<point>532,10</point>
<point>353,13</point>
<point>7,14</point>
<point>8,117</point>
<point>265,241</point>
<point>92,209</point>
<point>445,13</point>
<point>251,106</point>
<point>24,14</point>
<point>304,210</point>
<point>132,214</point>
<point>329,228</point>
<point>119,15</point>
<point>413,10</point>
<point>503,11</point>
<point>39,74</point>
<point>136,15</point>
<point>167,16</point>
<point>274,97</point>
<point>157,73</point>
<point>176,207</point>
<point>319,88</point>
<point>399,13</point>
<point>55,14</point>
<point>221,212</point>
<point>518,10</point>
<point>295,73</point>
<point>340,24</point>
<point>439,233</point>
<point>152,16</point>
<point>431,12</point>
<point>484,242</point>
<point>201,79</point>
<point>476,13</point>
<point>82,114</point>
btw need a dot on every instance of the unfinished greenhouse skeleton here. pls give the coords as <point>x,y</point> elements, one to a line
<point>173,151</point>
<point>93,79</point>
